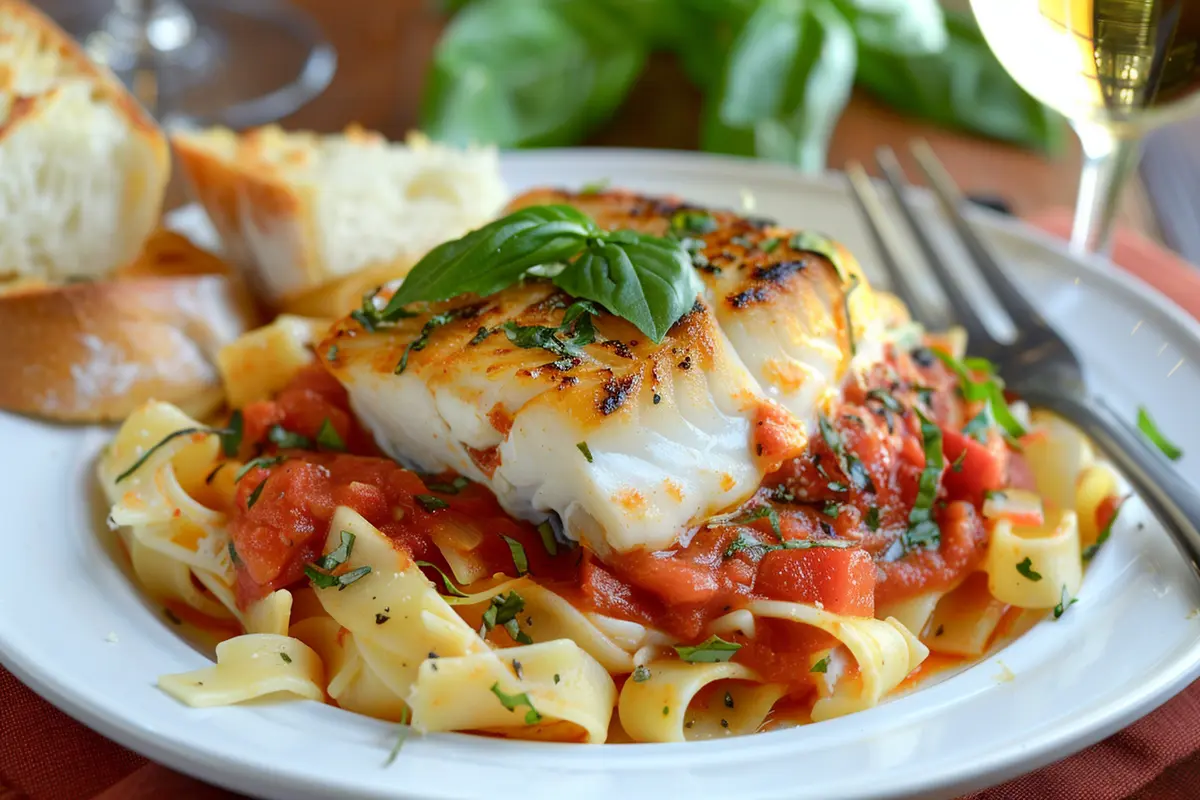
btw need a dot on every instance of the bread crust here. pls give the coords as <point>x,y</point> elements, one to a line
<point>95,351</point>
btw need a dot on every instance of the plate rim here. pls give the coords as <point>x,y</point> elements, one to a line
<point>1050,746</point>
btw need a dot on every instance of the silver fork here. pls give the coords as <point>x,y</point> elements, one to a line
<point>1038,365</point>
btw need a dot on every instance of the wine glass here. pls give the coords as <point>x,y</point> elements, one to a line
<point>1114,68</point>
<point>238,63</point>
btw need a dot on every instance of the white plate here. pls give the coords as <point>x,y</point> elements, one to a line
<point>1130,643</point>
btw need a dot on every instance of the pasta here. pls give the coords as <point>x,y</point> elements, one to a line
<point>914,513</point>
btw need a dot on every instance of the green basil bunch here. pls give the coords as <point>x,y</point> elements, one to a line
<point>775,74</point>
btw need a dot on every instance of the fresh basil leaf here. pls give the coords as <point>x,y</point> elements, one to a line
<point>219,432</point>
<point>431,503</point>
<point>287,440</point>
<point>710,651</point>
<point>747,517</point>
<point>231,437</point>
<point>525,73</point>
<point>520,560</point>
<point>1027,571</point>
<point>262,461</point>
<point>337,556</point>
<point>923,531</point>
<point>451,589</point>
<point>821,666</point>
<point>644,279</point>
<point>641,673</point>
<point>787,79</point>
<point>546,531</point>
<point>587,451</point>
<point>495,256</point>
<point>256,493</point>
<point>323,580</point>
<point>907,27</point>
<point>454,487</point>
<point>961,86</point>
<point>1064,603</point>
<point>512,701</point>
<point>329,438</point>
<point>1147,426</point>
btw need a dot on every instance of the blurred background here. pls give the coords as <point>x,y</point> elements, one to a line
<point>811,83</point>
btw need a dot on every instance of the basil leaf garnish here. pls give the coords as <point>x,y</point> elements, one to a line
<point>712,650</point>
<point>923,531</point>
<point>1150,431</point>
<point>645,279</point>
<point>495,256</point>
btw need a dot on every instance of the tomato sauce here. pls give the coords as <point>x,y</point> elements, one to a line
<point>825,528</point>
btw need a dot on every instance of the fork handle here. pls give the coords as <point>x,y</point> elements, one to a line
<point>1169,497</point>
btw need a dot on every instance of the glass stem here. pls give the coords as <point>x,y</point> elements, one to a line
<point>1108,161</point>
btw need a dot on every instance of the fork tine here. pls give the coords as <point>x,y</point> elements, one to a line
<point>1019,309</point>
<point>965,313</point>
<point>879,225</point>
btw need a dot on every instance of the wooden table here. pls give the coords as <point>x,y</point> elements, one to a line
<point>384,47</point>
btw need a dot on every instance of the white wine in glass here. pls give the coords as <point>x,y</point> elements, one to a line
<point>1114,68</point>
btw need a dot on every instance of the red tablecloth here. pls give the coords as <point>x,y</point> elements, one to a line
<point>45,755</point>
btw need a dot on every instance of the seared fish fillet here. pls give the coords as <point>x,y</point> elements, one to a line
<point>630,442</point>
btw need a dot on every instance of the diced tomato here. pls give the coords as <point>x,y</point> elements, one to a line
<point>982,469</point>
<point>841,580</point>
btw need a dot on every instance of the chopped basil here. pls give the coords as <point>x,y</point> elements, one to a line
<point>257,493</point>
<point>329,438</point>
<point>831,508</point>
<point>698,222</point>
<point>208,479</point>
<point>747,516</point>
<point>1064,603</point>
<point>846,311</point>
<point>886,399</point>
<point>401,736</point>
<point>851,465</point>
<point>710,651</point>
<point>225,435</point>
<point>1090,551</point>
<point>641,673</point>
<point>520,561</point>
<point>503,612</point>
<point>567,340</point>
<point>286,658</point>
<point>556,678</point>
<point>323,580</point>
<point>231,436</point>
<point>512,701</point>
<point>233,555</point>
<point>587,451</point>
<point>872,518</point>
<point>261,461</point>
<point>821,666</point>
<point>1150,430</point>
<point>547,533</point>
<point>422,340</point>
<point>451,589</point>
<point>746,542</point>
<point>922,531</point>
<point>371,318</point>
<point>332,353</point>
<point>339,555</point>
<point>977,428</point>
<point>288,440</point>
<point>595,187</point>
<point>431,503</point>
<point>990,389</point>
<point>957,466</point>
<point>769,244</point>
<point>821,245</point>
<point>666,711</point>
<point>454,487</point>
<point>319,571</point>
<point>1026,569</point>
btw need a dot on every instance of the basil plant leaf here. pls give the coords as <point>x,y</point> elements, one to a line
<point>647,280</point>
<point>523,73</point>
<point>961,86</point>
<point>907,27</point>
<point>495,256</point>
<point>787,79</point>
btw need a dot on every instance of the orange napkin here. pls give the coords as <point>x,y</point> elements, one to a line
<point>44,755</point>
